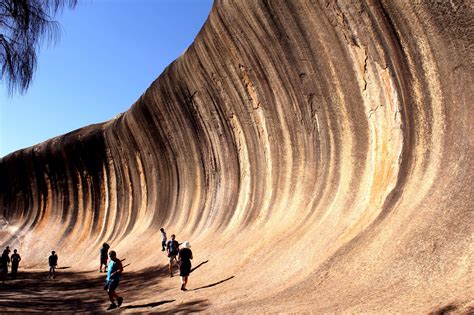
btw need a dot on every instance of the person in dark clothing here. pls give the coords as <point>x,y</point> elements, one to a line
<point>184,260</point>
<point>15,259</point>
<point>6,259</point>
<point>3,276</point>
<point>113,279</point>
<point>53,262</point>
<point>104,254</point>
<point>163,239</point>
<point>172,248</point>
<point>4,262</point>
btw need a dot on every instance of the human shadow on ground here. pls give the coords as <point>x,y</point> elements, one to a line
<point>154,304</point>
<point>213,284</point>
<point>204,262</point>
<point>445,310</point>
<point>73,291</point>
<point>195,306</point>
<point>62,268</point>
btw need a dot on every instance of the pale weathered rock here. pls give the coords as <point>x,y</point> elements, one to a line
<point>318,151</point>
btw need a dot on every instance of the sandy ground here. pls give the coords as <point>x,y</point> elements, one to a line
<point>150,290</point>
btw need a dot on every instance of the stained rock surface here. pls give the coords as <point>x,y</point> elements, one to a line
<point>317,154</point>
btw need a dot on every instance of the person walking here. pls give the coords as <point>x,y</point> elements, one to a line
<point>172,248</point>
<point>163,239</point>
<point>6,259</point>
<point>104,253</point>
<point>113,279</point>
<point>184,260</point>
<point>15,259</point>
<point>2,273</point>
<point>53,262</point>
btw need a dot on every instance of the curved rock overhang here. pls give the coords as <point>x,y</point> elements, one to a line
<point>321,148</point>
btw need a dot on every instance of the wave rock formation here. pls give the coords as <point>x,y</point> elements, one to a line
<point>319,151</point>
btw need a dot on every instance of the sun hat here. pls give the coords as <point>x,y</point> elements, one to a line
<point>186,245</point>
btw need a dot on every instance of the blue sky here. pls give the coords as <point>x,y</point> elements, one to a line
<point>109,52</point>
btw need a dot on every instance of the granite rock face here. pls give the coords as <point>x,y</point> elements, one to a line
<point>320,151</point>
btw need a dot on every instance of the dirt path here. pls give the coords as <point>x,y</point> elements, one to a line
<point>149,290</point>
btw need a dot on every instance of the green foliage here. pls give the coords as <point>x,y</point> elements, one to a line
<point>24,25</point>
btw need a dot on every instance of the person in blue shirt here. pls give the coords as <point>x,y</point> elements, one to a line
<point>114,271</point>
<point>172,248</point>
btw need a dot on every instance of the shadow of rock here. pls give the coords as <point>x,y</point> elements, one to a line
<point>74,291</point>
<point>70,291</point>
